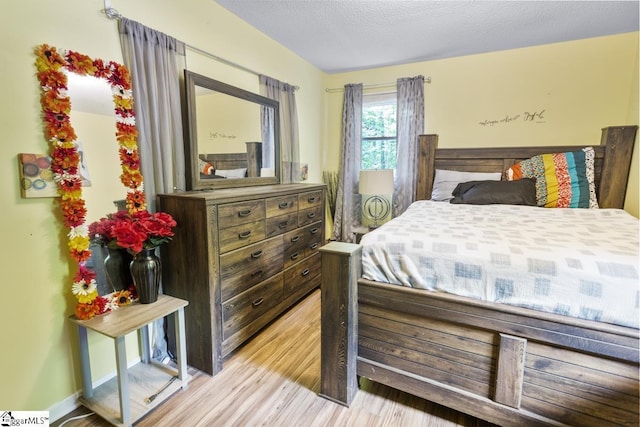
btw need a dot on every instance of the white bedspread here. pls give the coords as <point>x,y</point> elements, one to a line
<point>575,262</point>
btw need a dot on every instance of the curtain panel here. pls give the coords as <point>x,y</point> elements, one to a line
<point>410,123</point>
<point>284,93</point>
<point>347,215</point>
<point>156,61</point>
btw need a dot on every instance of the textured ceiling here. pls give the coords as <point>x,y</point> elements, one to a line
<point>345,35</point>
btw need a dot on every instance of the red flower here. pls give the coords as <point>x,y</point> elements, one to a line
<point>73,211</point>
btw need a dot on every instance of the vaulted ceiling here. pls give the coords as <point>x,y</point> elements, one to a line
<point>345,35</point>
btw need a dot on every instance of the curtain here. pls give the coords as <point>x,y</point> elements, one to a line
<point>289,139</point>
<point>410,122</point>
<point>347,198</point>
<point>154,59</point>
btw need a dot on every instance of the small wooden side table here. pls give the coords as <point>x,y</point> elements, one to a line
<point>125,399</point>
<point>360,231</point>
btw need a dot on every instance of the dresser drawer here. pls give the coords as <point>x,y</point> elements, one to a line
<point>232,214</point>
<point>302,243</point>
<point>309,216</point>
<point>310,199</point>
<point>251,304</point>
<point>277,206</point>
<point>243,268</point>
<point>282,224</point>
<point>241,235</point>
<point>305,274</point>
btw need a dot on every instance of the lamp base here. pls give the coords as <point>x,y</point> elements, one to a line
<point>376,210</point>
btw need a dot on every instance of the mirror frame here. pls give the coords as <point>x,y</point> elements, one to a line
<point>193,180</point>
<point>59,132</point>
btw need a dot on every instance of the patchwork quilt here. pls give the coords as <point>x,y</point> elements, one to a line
<point>575,262</point>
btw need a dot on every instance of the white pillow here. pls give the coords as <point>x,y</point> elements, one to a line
<point>231,173</point>
<point>446,181</point>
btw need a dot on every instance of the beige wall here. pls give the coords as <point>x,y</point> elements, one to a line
<point>483,100</point>
<point>582,86</point>
<point>40,369</point>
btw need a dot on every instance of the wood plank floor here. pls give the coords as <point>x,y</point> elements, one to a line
<point>274,380</point>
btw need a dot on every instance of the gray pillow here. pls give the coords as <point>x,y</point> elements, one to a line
<point>446,181</point>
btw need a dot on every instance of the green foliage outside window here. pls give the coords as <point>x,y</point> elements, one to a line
<point>379,136</point>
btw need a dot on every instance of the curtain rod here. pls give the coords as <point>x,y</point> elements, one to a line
<point>112,13</point>
<point>373,86</point>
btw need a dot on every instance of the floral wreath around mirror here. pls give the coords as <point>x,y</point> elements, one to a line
<point>136,228</point>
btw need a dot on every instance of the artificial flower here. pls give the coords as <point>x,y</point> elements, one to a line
<point>133,231</point>
<point>83,288</point>
<point>74,212</point>
<point>136,201</point>
<point>122,298</point>
<point>85,311</point>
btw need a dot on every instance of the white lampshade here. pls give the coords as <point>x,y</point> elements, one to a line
<point>378,181</point>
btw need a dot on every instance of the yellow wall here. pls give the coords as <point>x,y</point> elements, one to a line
<point>582,86</point>
<point>579,86</point>
<point>40,368</point>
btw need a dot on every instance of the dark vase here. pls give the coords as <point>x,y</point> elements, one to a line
<point>146,270</point>
<point>116,268</point>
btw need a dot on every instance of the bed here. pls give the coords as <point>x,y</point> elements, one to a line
<point>506,364</point>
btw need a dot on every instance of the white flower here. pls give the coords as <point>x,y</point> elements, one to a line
<point>131,120</point>
<point>79,231</point>
<point>83,288</point>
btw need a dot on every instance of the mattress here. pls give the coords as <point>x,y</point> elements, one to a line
<point>574,262</point>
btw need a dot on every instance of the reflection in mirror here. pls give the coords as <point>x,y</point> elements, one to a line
<point>94,121</point>
<point>233,136</point>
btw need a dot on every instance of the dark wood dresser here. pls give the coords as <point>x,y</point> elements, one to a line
<point>240,257</point>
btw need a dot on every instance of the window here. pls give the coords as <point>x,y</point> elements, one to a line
<point>379,131</point>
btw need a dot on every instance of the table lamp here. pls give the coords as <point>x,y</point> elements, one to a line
<point>376,188</point>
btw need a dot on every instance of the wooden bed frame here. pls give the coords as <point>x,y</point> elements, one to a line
<point>508,365</point>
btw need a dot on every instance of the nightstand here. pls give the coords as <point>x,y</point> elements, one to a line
<point>360,231</point>
<point>135,391</point>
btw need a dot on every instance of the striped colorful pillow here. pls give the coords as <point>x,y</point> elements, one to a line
<point>563,180</point>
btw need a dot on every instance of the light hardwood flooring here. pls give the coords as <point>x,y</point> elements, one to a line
<point>274,380</point>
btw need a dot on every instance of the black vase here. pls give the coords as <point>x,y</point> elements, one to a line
<point>146,270</point>
<point>116,268</point>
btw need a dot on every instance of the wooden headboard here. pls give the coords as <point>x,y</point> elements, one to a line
<point>251,160</point>
<point>612,162</point>
<point>226,160</point>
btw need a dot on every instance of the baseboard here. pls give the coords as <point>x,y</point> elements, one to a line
<point>70,404</point>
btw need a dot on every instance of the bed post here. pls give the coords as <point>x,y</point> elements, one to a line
<point>618,142</point>
<point>341,267</point>
<point>426,170</point>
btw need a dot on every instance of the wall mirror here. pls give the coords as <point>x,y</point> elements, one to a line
<point>232,136</point>
<point>95,159</point>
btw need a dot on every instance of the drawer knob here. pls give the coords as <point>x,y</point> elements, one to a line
<point>256,254</point>
<point>314,230</point>
<point>244,213</point>
<point>311,215</point>
<point>295,256</point>
<point>312,199</point>
<point>256,274</point>
<point>295,238</point>
<point>257,302</point>
<point>244,234</point>
<point>283,224</point>
<point>314,246</point>
<point>283,205</point>
<point>306,272</point>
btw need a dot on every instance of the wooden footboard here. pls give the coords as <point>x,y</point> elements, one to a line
<point>506,365</point>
